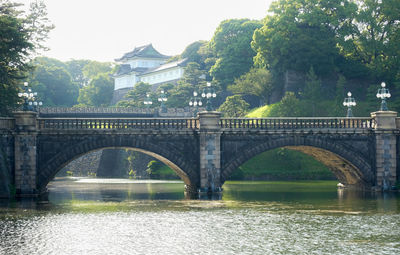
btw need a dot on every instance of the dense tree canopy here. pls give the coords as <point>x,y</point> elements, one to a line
<point>234,106</point>
<point>99,92</point>
<point>53,84</point>
<point>232,50</point>
<point>356,39</point>
<point>330,35</point>
<point>136,96</point>
<point>93,68</point>
<point>301,34</point>
<point>256,82</point>
<point>21,36</point>
<point>75,69</point>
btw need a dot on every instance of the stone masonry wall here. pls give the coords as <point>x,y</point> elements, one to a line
<point>6,166</point>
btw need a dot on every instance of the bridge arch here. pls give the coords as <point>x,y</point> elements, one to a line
<point>171,156</point>
<point>347,165</point>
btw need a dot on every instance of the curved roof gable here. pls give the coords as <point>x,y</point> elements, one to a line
<point>146,51</point>
<point>181,62</point>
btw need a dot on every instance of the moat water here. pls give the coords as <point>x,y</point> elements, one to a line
<point>117,216</point>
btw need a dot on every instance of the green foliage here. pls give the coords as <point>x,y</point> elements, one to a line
<point>256,82</point>
<point>234,106</point>
<point>358,39</point>
<point>299,34</point>
<point>192,80</point>
<point>53,84</point>
<point>373,39</point>
<point>289,106</point>
<point>337,104</point>
<point>263,111</point>
<point>75,69</point>
<point>131,157</point>
<point>158,170</point>
<point>99,92</point>
<point>179,96</point>
<point>193,54</point>
<point>93,68</point>
<point>135,97</point>
<point>192,75</point>
<point>312,94</point>
<point>38,25</point>
<point>282,164</point>
<point>21,36</point>
<point>231,48</point>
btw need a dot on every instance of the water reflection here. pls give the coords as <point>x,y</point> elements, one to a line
<point>113,190</point>
<point>91,216</point>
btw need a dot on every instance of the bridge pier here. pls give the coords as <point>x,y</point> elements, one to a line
<point>25,154</point>
<point>210,154</point>
<point>386,149</point>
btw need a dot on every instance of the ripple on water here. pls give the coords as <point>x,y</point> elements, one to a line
<point>207,231</point>
<point>84,222</point>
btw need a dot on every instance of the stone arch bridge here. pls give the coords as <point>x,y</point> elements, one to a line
<point>203,151</point>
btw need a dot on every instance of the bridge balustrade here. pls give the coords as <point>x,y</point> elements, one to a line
<point>296,123</point>
<point>116,123</point>
<point>7,123</point>
<point>64,110</point>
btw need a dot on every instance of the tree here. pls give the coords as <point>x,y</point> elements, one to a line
<point>256,82</point>
<point>373,36</point>
<point>193,75</point>
<point>312,92</point>
<point>356,38</point>
<point>231,47</point>
<point>135,97</point>
<point>38,25</point>
<point>337,107</point>
<point>301,34</point>
<point>53,85</point>
<point>234,106</point>
<point>75,69</point>
<point>289,106</point>
<point>193,54</point>
<point>21,36</point>
<point>99,92</point>
<point>93,68</point>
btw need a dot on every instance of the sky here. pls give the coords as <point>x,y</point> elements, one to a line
<point>104,30</point>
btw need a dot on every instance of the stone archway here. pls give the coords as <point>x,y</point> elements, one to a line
<point>349,167</point>
<point>169,156</point>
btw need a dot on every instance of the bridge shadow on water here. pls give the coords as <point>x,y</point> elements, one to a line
<point>319,196</point>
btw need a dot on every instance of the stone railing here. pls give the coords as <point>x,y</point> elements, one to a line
<point>116,111</point>
<point>7,123</point>
<point>296,123</point>
<point>117,123</point>
<point>99,110</point>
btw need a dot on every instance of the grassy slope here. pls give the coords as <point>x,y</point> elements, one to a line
<point>262,111</point>
<point>280,164</point>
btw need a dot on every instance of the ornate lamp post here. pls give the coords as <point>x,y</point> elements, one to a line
<point>30,100</point>
<point>383,93</point>
<point>162,99</point>
<point>147,101</point>
<point>195,101</point>
<point>208,93</point>
<point>349,102</point>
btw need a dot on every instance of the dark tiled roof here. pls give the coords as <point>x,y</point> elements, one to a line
<point>126,69</point>
<point>146,51</point>
<point>181,62</point>
<point>123,69</point>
